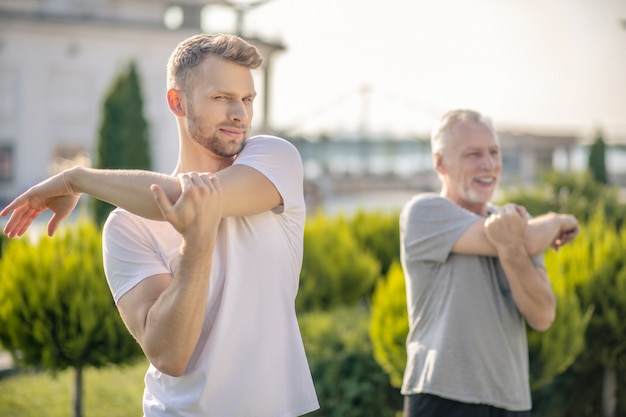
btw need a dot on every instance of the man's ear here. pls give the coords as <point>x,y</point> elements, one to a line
<point>438,163</point>
<point>175,101</point>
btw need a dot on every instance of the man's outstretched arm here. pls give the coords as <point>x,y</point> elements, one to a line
<point>125,188</point>
<point>542,232</point>
<point>245,192</point>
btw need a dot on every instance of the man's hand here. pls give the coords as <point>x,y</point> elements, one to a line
<point>54,194</point>
<point>198,210</point>
<point>506,229</point>
<point>569,229</point>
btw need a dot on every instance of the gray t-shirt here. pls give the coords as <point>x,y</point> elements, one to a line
<point>467,339</point>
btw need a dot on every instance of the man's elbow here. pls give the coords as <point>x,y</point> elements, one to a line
<point>169,366</point>
<point>543,322</point>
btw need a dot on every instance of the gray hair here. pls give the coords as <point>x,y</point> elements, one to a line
<point>192,51</point>
<point>442,131</point>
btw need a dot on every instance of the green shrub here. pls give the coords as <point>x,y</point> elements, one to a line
<point>348,381</point>
<point>335,270</point>
<point>378,233</point>
<point>389,325</point>
<point>56,310</point>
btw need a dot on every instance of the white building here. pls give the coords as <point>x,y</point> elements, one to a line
<point>58,58</point>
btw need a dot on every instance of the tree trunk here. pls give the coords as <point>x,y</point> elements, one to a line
<point>78,392</point>
<point>609,391</point>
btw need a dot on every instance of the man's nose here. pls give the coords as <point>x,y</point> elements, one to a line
<point>238,111</point>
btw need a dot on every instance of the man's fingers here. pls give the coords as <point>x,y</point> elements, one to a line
<point>6,210</point>
<point>521,210</point>
<point>53,224</point>
<point>11,207</point>
<point>211,181</point>
<point>161,200</point>
<point>18,222</point>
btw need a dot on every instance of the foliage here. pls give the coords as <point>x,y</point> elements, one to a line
<point>389,325</point>
<point>348,381</point>
<point>594,267</point>
<point>56,310</point>
<point>123,140</point>
<point>606,291</point>
<point>597,160</point>
<point>574,193</point>
<point>379,234</point>
<point>552,352</point>
<point>335,269</point>
<point>602,285</point>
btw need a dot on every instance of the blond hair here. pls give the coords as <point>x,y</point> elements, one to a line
<point>192,51</point>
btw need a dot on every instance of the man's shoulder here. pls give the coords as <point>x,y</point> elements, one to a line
<point>428,199</point>
<point>123,220</point>
<point>267,140</point>
<point>256,146</point>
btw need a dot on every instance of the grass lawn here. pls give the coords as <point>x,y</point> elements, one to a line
<point>107,392</point>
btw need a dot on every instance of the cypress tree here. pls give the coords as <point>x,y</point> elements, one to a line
<point>123,140</point>
<point>597,160</point>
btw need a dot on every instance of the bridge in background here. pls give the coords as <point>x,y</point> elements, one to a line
<point>359,170</point>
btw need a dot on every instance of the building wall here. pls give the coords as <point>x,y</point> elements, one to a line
<point>58,58</point>
<point>53,79</point>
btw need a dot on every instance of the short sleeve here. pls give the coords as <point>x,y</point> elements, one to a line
<point>280,162</point>
<point>430,225</point>
<point>130,252</point>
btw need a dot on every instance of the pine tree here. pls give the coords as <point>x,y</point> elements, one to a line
<point>56,310</point>
<point>123,141</point>
<point>597,160</point>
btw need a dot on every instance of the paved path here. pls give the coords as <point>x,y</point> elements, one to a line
<point>6,362</point>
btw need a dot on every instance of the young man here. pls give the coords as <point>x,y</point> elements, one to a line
<point>475,277</point>
<point>204,264</point>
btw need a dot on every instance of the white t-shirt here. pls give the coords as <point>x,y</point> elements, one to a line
<point>250,359</point>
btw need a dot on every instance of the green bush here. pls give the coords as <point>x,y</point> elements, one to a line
<point>378,233</point>
<point>552,352</point>
<point>390,324</point>
<point>595,262</point>
<point>335,269</point>
<point>56,310</point>
<point>348,381</point>
<point>574,193</point>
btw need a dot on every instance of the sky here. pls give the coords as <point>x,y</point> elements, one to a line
<point>393,67</point>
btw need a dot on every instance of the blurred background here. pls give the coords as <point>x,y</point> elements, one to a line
<point>355,85</point>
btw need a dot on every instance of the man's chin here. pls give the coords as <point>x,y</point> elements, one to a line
<point>482,198</point>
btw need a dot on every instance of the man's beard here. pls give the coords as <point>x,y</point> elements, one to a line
<point>478,196</point>
<point>210,142</point>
